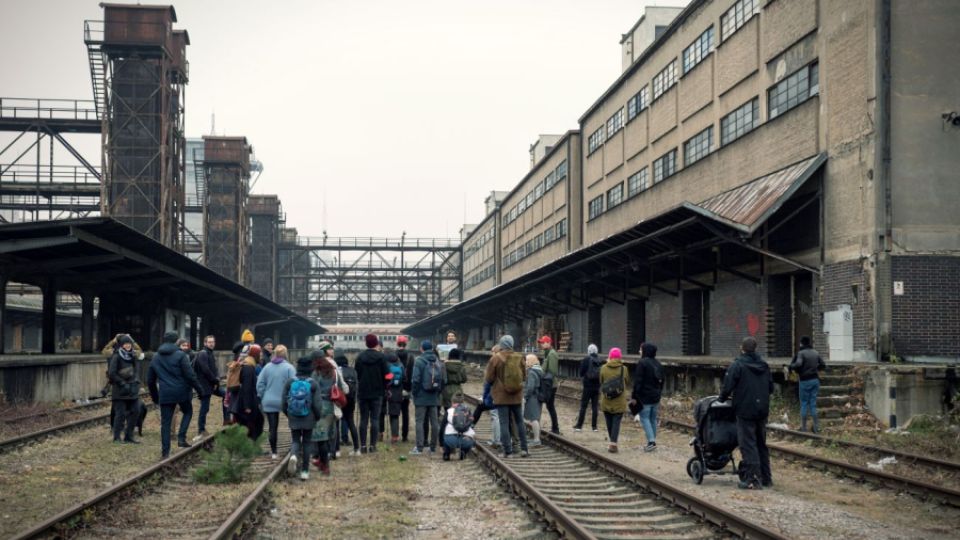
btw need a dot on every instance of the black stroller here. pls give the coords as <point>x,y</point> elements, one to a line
<point>715,439</point>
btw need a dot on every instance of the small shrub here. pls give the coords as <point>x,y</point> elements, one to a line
<point>232,454</point>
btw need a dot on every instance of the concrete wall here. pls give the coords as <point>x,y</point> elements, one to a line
<point>895,395</point>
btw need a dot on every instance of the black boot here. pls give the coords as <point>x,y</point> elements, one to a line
<point>816,424</point>
<point>803,423</point>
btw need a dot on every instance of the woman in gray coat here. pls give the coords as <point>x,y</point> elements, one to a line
<point>531,398</point>
<point>302,413</point>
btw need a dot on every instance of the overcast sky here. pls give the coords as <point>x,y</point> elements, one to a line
<point>404,115</point>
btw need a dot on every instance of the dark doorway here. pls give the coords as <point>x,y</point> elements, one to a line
<point>802,307</point>
<point>594,327</point>
<point>636,325</point>
<point>696,322</point>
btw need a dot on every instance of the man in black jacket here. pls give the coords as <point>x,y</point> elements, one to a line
<point>808,366</point>
<point>749,380</point>
<point>590,393</point>
<point>406,359</point>
<point>372,369</point>
<point>170,380</point>
<point>205,366</point>
<point>647,388</point>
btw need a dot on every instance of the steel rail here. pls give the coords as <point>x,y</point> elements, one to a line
<point>9,444</point>
<point>917,487</point>
<point>233,526</point>
<point>54,525</point>
<point>710,513</point>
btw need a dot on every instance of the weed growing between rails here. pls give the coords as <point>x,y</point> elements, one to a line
<point>232,455</point>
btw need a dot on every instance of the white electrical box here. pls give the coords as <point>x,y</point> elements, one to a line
<point>838,326</point>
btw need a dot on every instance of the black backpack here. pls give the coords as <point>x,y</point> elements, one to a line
<point>350,377</point>
<point>613,388</point>
<point>546,388</point>
<point>593,370</point>
<point>462,418</point>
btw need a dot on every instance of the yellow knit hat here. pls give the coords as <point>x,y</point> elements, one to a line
<point>247,336</point>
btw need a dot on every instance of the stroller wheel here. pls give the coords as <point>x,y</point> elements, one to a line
<point>690,466</point>
<point>696,472</point>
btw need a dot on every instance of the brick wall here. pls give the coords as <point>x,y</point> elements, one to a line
<point>836,287</point>
<point>926,318</point>
<point>664,323</point>
<point>736,311</point>
<point>779,316</point>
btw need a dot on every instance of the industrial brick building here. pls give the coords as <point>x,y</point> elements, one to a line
<point>768,168</point>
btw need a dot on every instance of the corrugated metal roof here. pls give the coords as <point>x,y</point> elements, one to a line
<point>752,203</point>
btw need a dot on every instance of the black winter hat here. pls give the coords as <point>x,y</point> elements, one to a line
<point>304,365</point>
<point>124,339</point>
<point>455,354</point>
<point>170,337</point>
<point>648,350</point>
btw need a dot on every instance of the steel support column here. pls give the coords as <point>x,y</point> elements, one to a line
<point>48,332</point>
<point>86,322</point>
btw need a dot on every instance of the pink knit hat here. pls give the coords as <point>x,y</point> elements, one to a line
<point>615,353</point>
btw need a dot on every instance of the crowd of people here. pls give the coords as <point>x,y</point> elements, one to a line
<point>320,395</point>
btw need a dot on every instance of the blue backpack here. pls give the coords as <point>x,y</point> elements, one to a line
<point>396,368</point>
<point>299,399</point>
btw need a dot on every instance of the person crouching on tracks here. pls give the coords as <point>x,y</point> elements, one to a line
<point>427,382</point>
<point>532,404</point>
<point>302,404</point>
<point>647,388</point>
<point>270,390</point>
<point>457,426</point>
<point>170,379</point>
<point>614,380</point>
<point>505,372</point>
<point>590,379</point>
<point>325,375</point>
<point>749,380</point>
<point>125,389</point>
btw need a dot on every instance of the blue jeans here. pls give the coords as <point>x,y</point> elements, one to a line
<point>508,413</point>
<point>808,397</point>
<point>166,418</point>
<point>458,441</point>
<point>648,417</point>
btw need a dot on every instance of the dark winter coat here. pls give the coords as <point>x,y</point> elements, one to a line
<point>406,358</point>
<point>421,367</point>
<point>455,376</point>
<point>124,384</point>
<point>648,382</point>
<point>493,374</point>
<point>531,391</point>
<point>171,377</point>
<point>316,409</point>
<point>590,387</point>
<point>808,364</point>
<point>205,366</point>
<point>394,394</point>
<point>371,366</point>
<point>246,397</point>
<point>749,380</point>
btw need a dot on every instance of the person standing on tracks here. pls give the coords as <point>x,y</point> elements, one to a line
<point>270,386</point>
<point>808,366</point>
<point>531,397</point>
<point>348,425</point>
<point>393,395</point>
<point>372,370</point>
<point>456,376</point>
<point>302,411</point>
<point>750,383</point>
<point>551,366</point>
<point>122,371</point>
<point>590,392</point>
<point>246,407</point>
<point>505,372</point>
<point>427,382</point>
<point>486,404</point>
<point>614,380</point>
<point>205,367</point>
<point>170,379</point>
<point>325,375</point>
<point>407,360</point>
<point>647,388</point>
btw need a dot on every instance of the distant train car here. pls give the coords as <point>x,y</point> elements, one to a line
<point>353,337</point>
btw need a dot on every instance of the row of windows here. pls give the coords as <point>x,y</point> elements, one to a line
<point>615,123</point>
<point>783,96</point>
<point>479,277</point>
<point>737,16</point>
<point>595,140</point>
<point>698,50</point>
<point>475,247</point>
<point>638,103</point>
<point>665,80</point>
<point>553,178</point>
<point>536,243</point>
<point>335,338</point>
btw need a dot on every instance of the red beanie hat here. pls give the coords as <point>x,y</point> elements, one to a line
<point>371,340</point>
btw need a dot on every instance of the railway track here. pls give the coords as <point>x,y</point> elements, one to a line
<point>920,488</point>
<point>584,494</point>
<point>12,443</point>
<point>163,501</point>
